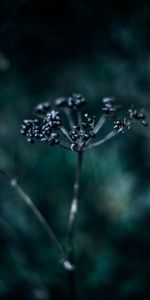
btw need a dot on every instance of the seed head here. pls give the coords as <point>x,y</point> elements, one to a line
<point>84,132</point>
<point>53,119</point>
<point>110,110</point>
<point>42,108</point>
<point>137,116</point>
<point>75,101</point>
<point>120,126</point>
<point>61,102</point>
<point>43,129</point>
<point>31,129</point>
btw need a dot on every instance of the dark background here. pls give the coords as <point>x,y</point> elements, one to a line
<point>49,49</point>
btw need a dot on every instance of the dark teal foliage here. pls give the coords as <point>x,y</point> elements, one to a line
<point>49,49</point>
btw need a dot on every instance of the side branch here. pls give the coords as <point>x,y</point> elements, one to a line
<point>99,125</point>
<point>106,138</point>
<point>27,200</point>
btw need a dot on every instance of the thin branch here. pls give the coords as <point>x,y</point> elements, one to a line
<point>79,118</point>
<point>99,124</point>
<point>12,235</point>
<point>97,127</point>
<point>27,200</point>
<point>64,146</point>
<point>106,138</point>
<point>65,133</point>
<point>69,117</point>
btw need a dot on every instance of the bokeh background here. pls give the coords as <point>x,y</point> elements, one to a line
<point>49,49</point>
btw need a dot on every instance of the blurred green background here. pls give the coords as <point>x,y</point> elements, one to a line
<point>49,49</point>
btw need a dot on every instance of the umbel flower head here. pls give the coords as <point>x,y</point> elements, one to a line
<point>50,124</point>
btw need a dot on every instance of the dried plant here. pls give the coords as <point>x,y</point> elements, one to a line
<point>67,125</point>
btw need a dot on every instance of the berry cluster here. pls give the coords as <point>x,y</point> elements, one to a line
<point>75,101</point>
<point>120,126</point>
<point>134,115</point>
<point>82,133</point>
<point>43,129</point>
<point>53,119</point>
<point>31,129</point>
<point>110,110</point>
<point>137,116</point>
<point>88,122</point>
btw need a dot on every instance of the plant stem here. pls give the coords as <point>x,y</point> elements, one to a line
<point>71,228</point>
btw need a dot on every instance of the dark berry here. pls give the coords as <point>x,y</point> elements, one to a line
<point>144,123</point>
<point>60,102</point>
<point>30,140</point>
<point>74,147</point>
<point>42,108</point>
